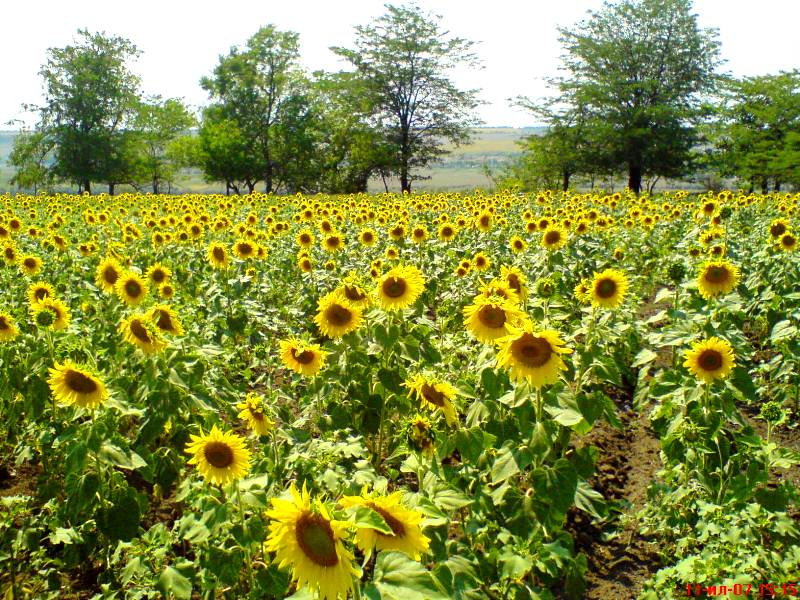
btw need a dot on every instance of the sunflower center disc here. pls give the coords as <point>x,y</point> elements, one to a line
<point>552,237</point>
<point>158,276</point>
<point>40,294</point>
<point>3,324</point>
<point>218,454</point>
<point>532,351</point>
<point>30,263</point>
<point>139,331</point>
<point>245,249</point>
<point>513,283</point>
<point>353,294</point>
<point>710,360</point>
<point>110,275</point>
<point>164,321</point>
<point>777,230</point>
<point>717,275</point>
<point>338,315</point>
<point>133,289</point>
<point>315,538</point>
<point>447,232</point>
<point>492,316</point>
<point>78,382</point>
<point>606,288</point>
<point>394,287</point>
<point>367,237</point>
<point>395,525</point>
<point>304,358</point>
<point>432,395</point>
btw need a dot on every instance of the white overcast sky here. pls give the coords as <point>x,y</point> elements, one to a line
<point>181,41</point>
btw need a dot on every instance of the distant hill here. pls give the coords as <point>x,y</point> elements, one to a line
<point>460,170</point>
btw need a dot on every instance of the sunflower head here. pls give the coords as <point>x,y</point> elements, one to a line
<point>554,237</point>
<point>788,242</point>
<point>71,384</point>
<point>420,434</point>
<point>400,287</point>
<point>710,359</point>
<point>336,316</point>
<point>52,313</point>
<point>717,278</point>
<point>140,331</point>
<point>608,288</point>
<point>131,289</point>
<point>491,318</point>
<point>533,355</point>
<point>220,456</point>
<point>253,411</point>
<point>39,291</point>
<point>166,319</point>
<point>8,329</point>
<point>158,274</point>
<point>108,272</point>
<point>301,357</point>
<point>434,394</point>
<point>30,265</point>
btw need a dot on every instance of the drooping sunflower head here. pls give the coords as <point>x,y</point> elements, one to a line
<point>420,434</point>
<point>336,316</point>
<point>609,288</point>
<point>253,411</point>
<point>710,359</point>
<point>166,319</point>
<point>220,456</point>
<point>71,384</point>
<point>158,274</point>
<point>140,331</point>
<point>305,537</point>
<point>131,289</point>
<point>533,355</point>
<point>434,394</point>
<point>8,329</point>
<point>402,531</point>
<point>491,318</point>
<point>108,272</point>
<point>39,291</point>
<point>717,278</point>
<point>400,287</point>
<point>302,357</point>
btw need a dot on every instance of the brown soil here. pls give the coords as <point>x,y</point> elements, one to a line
<point>620,559</point>
<point>18,481</point>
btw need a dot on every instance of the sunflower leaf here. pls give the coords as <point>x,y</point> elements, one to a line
<point>366,518</point>
<point>172,584</point>
<point>397,577</point>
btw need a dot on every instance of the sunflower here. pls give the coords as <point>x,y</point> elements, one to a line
<point>516,280</point>
<point>131,288</point>
<point>302,358</point>
<point>336,317</point>
<point>52,313</point>
<point>107,274</point>
<point>484,221</point>
<point>481,261</point>
<point>400,287</point>
<point>166,291</point>
<point>245,249</point>
<point>8,329</point>
<point>420,435</point>
<point>165,319</point>
<point>304,536</point>
<point>252,411</point>
<point>434,395</point>
<point>220,456</point>
<point>158,274</point>
<point>778,227</point>
<point>217,256</point>
<point>405,533</point>
<point>353,289</point>
<point>10,253</point>
<point>710,359</point>
<point>367,237</point>
<point>71,384</point>
<point>788,242</point>
<point>305,264</point>
<point>501,288</point>
<point>717,278</point>
<point>333,242</point>
<point>140,331</point>
<point>305,239</point>
<point>39,291</point>
<point>517,244</point>
<point>30,265</point>
<point>447,231</point>
<point>554,237</point>
<point>531,355</point>
<point>489,319</point>
<point>608,288</point>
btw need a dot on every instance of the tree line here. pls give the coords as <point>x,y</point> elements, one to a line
<point>641,95</point>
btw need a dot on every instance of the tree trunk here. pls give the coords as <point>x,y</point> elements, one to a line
<point>155,185</point>
<point>87,186</point>
<point>777,187</point>
<point>565,180</point>
<point>251,186</point>
<point>635,177</point>
<point>110,189</point>
<point>764,185</point>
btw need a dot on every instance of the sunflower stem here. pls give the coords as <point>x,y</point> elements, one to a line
<point>247,549</point>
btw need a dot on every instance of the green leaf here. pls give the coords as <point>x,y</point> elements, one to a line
<point>111,454</point>
<point>783,330</point>
<point>645,356</point>
<point>397,577</point>
<point>172,584</point>
<point>366,518</point>
<point>505,466</point>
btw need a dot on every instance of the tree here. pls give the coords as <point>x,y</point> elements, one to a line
<point>642,67</point>
<point>757,136</point>
<point>90,96</point>
<point>260,90</point>
<point>223,152</point>
<point>158,124</point>
<point>403,60</point>
<point>30,156</point>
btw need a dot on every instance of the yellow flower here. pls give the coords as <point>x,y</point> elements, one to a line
<point>400,287</point>
<point>554,237</point>
<point>252,411</point>
<point>405,530</point>
<point>158,274</point>
<point>352,289</point>
<point>58,314</point>
<point>481,261</point>
<point>217,256</point>
<point>245,249</point>
<point>71,384</point>
<point>131,289</point>
<point>367,237</point>
<point>609,288</point>
<point>30,265</point>
<point>717,278</point>
<point>788,242</point>
<point>336,317</point>
<point>108,272</point>
<point>305,537</point>
<point>516,280</point>
<point>39,291</point>
<point>305,238</point>
<point>434,395</point>
<point>447,231</point>
<point>220,456</point>
<point>534,356</point>
<point>300,357</point>
<point>710,359</point>
<point>165,319</point>
<point>489,319</point>
<point>8,329</point>
<point>140,331</point>
<point>333,242</point>
<point>583,291</point>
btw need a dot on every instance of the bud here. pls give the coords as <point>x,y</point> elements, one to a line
<point>677,272</point>
<point>772,412</point>
<point>725,212</point>
<point>545,287</point>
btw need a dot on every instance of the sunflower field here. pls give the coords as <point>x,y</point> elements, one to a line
<point>393,396</point>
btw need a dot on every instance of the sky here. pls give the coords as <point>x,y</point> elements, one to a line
<point>517,41</point>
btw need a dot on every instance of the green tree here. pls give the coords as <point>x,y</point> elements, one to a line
<point>642,68</point>
<point>261,91</point>
<point>158,125</point>
<point>403,59</point>
<point>757,135</point>
<point>90,97</point>
<point>30,157</point>
<point>223,152</point>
